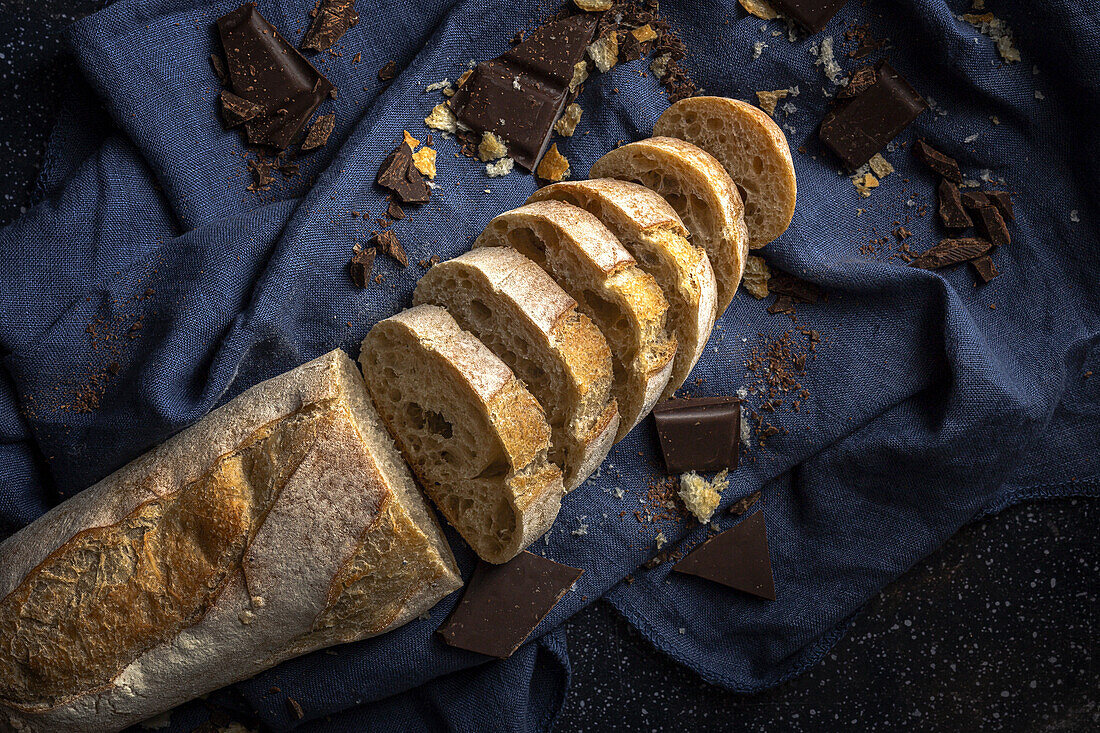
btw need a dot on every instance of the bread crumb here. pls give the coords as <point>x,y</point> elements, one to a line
<point>424,160</point>
<point>593,6</point>
<point>1074,216</point>
<point>569,119</point>
<point>554,166</point>
<point>700,496</point>
<point>992,26</point>
<point>491,148</point>
<point>880,166</point>
<point>436,86</point>
<point>759,8</point>
<point>604,52</point>
<point>660,539</point>
<point>246,617</point>
<point>755,279</point>
<point>645,33</point>
<point>500,168</point>
<point>768,100</point>
<point>412,141</point>
<point>580,73</point>
<point>659,64</point>
<point>758,49</point>
<point>825,59</point>
<point>442,118</point>
<point>864,182</point>
<point>582,528</point>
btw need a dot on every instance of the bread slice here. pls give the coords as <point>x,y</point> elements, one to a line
<point>651,231</point>
<point>752,149</point>
<point>626,303</point>
<point>526,319</point>
<point>473,435</point>
<point>700,191</point>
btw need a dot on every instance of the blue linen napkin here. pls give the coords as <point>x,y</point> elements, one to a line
<point>932,401</point>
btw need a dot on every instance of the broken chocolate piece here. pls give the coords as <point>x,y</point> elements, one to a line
<point>798,289</point>
<point>952,213</point>
<point>1003,202</point>
<point>388,71</point>
<point>360,267</point>
<point>812,15</point>
<point>261,175</point>
<point>319,132</point>
<point>737,558</point>
<point>699,434</point>
<point>520,95</point>
<point>219,68</point>
<point>985,268</point>
<point>386,242</point>
<point>395,212</point>
<point>945,165</point>
<point>782,304</point>
<point>331,20</point>
<point>974,200</point>
<point>862,126</point>
<point>269,72</point>
<point>951,252</point>
<point>991,226</point>
<point>503,604</point>
<point>398,174</point>
<point>236,110</point>
<point>860,81</point>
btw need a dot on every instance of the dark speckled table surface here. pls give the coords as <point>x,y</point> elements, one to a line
<point>994,631</point>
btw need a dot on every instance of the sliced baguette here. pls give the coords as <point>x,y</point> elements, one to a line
<point>473,435</point>
<point>526,319</point>
<point>752,149</point>
<point>626,303</point>
<point>650,229</point>
<point>700,191</point>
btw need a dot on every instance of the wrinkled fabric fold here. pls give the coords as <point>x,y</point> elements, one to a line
<point>932,401</point>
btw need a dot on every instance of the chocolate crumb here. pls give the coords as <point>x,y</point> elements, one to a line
<point>360,267</point>
<point>388,71</point>
<point>387,243</point>
<point>294,709</point>
<point>319,132</point>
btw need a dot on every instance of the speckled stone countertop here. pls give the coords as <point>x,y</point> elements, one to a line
<point>995,631</point>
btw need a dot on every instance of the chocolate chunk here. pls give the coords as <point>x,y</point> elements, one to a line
<point>520,95</point>
<point>1003,202</point>
<point>398,174</point>
<point>798,289</point>
<point>860,81</point>
<point>812,15</point>
<point>945,165</point>
<point>331,20</point>
<point>319,132</point>
<point>503,604</point>
<point>219,68</point>
<point>261,175</point>
<point>699,434</point>
<point>974,200</point>
<point>782,304</point>
<point>737,558</point>
<point>269,72</point>
<point>395,212</point>
<point>236,110</point>
<point>859,128</point>
<point>991,226</point>
<point>388,71</point>
<point>985,268</point>
<point>387,243</point>
<point>952,213</point>
<point>294,709</point>
<point>951,252</point>
<point>360,267</point>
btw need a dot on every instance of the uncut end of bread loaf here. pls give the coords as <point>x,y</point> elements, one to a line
<point>198,564</point>
<point>473,434</point>
<point>752,149</point>
<point>653,233</point>
<point>596,270</point>
<point>512,306</point>
<point>700,191</point>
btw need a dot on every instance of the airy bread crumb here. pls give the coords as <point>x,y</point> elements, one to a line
<point>412,141</point>
<point>755,279</point>
<point>554,166</point>
<point>880,166</point>
<point>768,100</point>
<point>659,65</point>
<point>424,160</point>
<point>569,119</point>
<point>491,148</point>
<point>500,168</point>
<point>759,8</point>
<point>700,496</point>
<point>605,52</point>
<point>442,118</point>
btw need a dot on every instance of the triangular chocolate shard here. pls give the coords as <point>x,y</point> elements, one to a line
<point>737,558</point>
